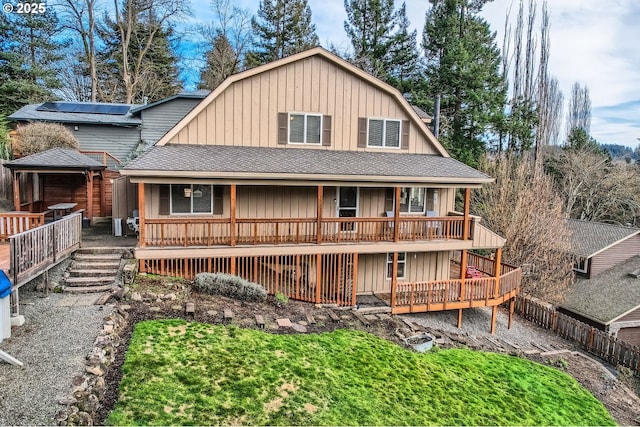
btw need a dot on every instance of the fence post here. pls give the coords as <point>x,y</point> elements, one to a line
<point>54,241</point>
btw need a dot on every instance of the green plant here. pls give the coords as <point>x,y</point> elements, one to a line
<point>229,286</point>
<point>190,373</point>
<point>281,299</point>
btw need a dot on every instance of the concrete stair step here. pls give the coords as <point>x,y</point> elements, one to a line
<point>102,250</point>
<point>89,281</point>
<point>98,257</point>
<point>373,310</point>
<point>93,273</point>
<point>86,289</point>
<point>95,265</point>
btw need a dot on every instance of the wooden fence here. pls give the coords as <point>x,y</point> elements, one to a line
<point>35,251</point>
<point>6,182</point>
<point>600,343</point>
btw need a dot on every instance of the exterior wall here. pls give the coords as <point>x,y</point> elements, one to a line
<point>156,121</point>
<point>246,112</point>
<point>64,188</point>
<point>633,316</point>
<point>420,266</point>
<point>614,255</point>
<point>630,335</point>
<point>118,141</point>
<point>291,202</point>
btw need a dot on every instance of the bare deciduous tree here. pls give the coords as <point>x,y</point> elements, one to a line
<point>523,206</point>
<point>579,109</point>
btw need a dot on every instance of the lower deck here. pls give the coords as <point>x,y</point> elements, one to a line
<point>423,281</point>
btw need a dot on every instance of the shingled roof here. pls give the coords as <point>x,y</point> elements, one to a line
<point>30,113</point>
<point>588,238</point>
<point>56,158</point>
<point>608,296</point>
<point>194,160</point>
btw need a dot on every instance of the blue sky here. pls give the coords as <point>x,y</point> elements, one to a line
<point>593,42</point>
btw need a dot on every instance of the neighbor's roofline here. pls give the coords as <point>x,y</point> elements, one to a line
<point>171,98</point>
<point>319,51</point>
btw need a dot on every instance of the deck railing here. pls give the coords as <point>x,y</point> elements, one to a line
<point>171,232</point>
<point>436,295</point>
<point>12,223</point>
<point>104,157</point>
<point>35,251</point>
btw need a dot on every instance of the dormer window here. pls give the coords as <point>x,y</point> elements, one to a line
<point>383,133</point>
<point>305,128</point>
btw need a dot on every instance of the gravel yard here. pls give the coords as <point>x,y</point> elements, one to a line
<point>57,335</point>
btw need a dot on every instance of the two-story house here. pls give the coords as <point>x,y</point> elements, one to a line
<point>318,181</point>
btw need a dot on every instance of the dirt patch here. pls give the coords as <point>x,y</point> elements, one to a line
<point>619,399</point>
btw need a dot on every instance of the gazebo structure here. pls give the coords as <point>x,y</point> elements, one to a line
<point>59,176</point>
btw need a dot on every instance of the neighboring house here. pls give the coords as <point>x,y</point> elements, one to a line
<point>606,293</point>
<point>321,182</point>
<point>118,129</point>
<point>598,246</point>
<point>609,301</point>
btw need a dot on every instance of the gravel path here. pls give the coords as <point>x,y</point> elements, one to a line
<point>58,333</point>
<point>476,323</point>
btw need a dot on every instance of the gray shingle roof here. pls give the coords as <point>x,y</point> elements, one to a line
<point>297,160</point>
<point>420,112</point>
<point>29,113</point>
<point>56,158</point>
<point>588,237</point>
<point>198,94</point>
<point>607,296</point>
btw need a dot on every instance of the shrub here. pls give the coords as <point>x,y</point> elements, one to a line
<point>38,136</point>
<point>229,286</point>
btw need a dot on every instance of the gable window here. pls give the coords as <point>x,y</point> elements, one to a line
<point>402,262</point>
<point>383,133</point>
<point>418,200</point>
<point>305,128</point>
<point>191,199</point>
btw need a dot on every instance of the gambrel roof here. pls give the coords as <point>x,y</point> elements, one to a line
<point>416,119</point>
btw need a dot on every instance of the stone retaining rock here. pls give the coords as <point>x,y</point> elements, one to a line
<point>88,389</point>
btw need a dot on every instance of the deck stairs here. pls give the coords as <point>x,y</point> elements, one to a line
<point>93,270</point>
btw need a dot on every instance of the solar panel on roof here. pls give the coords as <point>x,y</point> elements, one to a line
<point>84,107</point>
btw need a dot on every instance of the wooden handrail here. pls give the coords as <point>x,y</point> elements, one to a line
<point>105,156</point>
<point>12,223</point>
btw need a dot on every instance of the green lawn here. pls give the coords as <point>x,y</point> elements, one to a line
<point>179,373</point>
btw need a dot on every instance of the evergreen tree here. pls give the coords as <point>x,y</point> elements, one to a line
<point>369,26</point>
<point>463,64</point>
<point>29,55</point>
<point>221,63</point>
<point>283,27</point>
<point>149,72</point>
<point>404,62</point>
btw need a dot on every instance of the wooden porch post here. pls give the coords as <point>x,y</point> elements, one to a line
<point>141,233</point>
<point>16,190</point>
<point>103,195</point>
<point>396,215</point>
<point>90,196</point>
<point>394,279</point>
<point>354,279</point>
<point>511,309</point>
<point>319,214</point>
<point>463,271</point>
<point>467,202</point>
<point>232,213</point>
<point>496,290</point>
<point>30,191</point>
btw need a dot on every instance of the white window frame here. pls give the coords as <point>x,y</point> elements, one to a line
<point>390,261</point>
<point>171,212</point>
<point>294,113</point>
<point>577,262</point>
<point>384,132</point>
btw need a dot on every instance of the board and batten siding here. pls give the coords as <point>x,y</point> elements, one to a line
<point>420,266</point>
<point>616,254</point>
<point>116,140</point>
<point>291,202</point>
<point>246,112</point>
<point>157,120</point>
